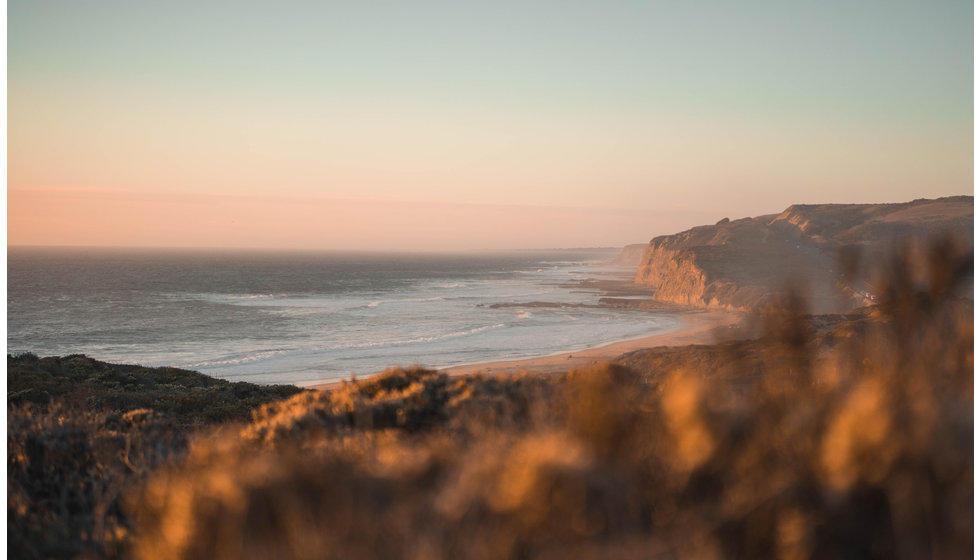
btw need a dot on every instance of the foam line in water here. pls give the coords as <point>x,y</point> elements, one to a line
<point>418,340</point>
<point>235,361</point>
<point>378,302</point>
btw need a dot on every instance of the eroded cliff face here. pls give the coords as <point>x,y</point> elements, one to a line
<point>674,273</point>
<point>748,263</point>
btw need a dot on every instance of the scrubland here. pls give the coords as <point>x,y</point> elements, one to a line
<point>840,436</point>
<point>82,434</point>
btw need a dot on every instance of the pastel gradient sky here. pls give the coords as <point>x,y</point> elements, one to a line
<point>458,125</point>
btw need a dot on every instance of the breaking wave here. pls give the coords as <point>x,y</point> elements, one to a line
<point>418,340</point>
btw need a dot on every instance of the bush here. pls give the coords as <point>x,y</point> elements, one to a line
<point>67,469</point>
<point>82,433</point>
<point>190,397</point>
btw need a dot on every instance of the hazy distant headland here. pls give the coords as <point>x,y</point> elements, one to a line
<point>631,255</point>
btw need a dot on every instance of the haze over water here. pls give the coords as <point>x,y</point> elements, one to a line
<point>306,317</point>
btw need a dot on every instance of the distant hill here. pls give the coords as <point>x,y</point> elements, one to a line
<point>828,248</point>
<point>631,255</point>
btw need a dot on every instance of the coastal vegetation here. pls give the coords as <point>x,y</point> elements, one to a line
<point>81,434</point>
<point>829,436</point>
<point>187,397</point>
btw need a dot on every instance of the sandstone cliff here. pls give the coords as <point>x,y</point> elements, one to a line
<point>744,264</point>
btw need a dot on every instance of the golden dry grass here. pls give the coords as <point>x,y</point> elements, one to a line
<point>854,443</point>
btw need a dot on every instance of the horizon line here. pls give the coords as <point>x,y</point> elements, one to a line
<point>311,249</point>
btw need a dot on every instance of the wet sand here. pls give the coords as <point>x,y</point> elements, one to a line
<point>697,327</point>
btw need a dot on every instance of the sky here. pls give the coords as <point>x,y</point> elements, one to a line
<point>471,126</point>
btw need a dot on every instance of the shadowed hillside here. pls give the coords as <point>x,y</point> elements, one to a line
<point>188,397</point>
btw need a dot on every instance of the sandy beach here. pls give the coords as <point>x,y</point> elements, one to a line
<point>698,326</point>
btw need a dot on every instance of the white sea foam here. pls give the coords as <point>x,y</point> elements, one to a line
<point>234,361</point>
<point>417,340</point>
<point>378,302</point>
<point>236,299</point>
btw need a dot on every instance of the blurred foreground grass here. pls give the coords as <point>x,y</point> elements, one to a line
<point>829,437</point>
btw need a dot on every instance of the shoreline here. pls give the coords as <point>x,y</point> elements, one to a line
<point>698,326</point>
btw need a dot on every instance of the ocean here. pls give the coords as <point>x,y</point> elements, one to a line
<point>307,317</point>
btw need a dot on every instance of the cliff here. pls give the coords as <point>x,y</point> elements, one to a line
<point>830,250</point>
<point>631,255</point>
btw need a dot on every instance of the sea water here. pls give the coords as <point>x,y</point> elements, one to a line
<point>304,317</point>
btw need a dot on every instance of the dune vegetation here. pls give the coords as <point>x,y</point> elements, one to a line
<point>835,436</point>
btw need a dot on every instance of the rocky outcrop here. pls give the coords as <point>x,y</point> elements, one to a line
<point>746,263</point>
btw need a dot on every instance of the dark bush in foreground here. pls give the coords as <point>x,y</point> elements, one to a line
<point>81,434</point>
<point>67,469</point>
